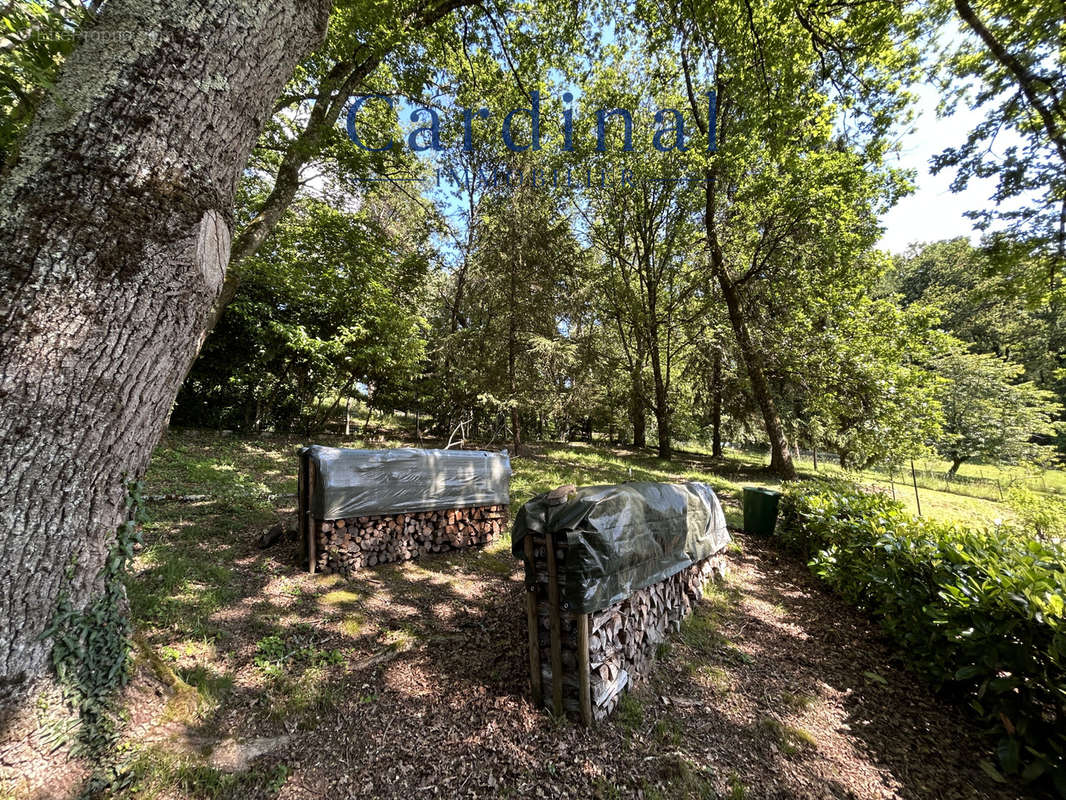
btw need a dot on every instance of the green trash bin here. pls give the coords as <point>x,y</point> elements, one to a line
<point>760,510</point>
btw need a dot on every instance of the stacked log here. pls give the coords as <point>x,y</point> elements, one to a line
<point>348,545</point>
<point>623,638</point>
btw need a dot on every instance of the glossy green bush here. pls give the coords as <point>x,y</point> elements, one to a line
<point>979,612</point>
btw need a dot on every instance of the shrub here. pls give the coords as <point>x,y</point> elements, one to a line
<point>1042,515</point>
<point>979,612</point>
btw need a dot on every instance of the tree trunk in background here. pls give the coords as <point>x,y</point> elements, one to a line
<point>716,404</point>
<point>780,457</point>
<point>662,413</point>
<point>114,239</point>
<point>512,355</point>
<point>636,407</point>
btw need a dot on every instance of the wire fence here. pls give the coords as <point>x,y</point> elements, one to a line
<point>990,483</point>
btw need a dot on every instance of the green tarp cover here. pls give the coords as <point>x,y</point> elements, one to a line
<point>357,483</point>
<point>624,537</point>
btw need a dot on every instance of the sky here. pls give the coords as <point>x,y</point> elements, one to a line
<point>933,212</point>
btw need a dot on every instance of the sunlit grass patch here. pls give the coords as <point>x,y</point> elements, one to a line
<point>158,773</point>
<point>339,598</point>
<point>790,739</point>
<point>353,625</point>
<point>797,702</point>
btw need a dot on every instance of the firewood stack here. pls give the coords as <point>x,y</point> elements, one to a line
<point>348,545</point>
<point>623,638</point>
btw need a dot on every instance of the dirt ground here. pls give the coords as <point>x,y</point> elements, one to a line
<point>411,682</point>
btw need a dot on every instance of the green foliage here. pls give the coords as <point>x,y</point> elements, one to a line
<point>1009,63</point>
<point>332,303</point>
<point>978,612</point>
<point>987,412</point>
<point>986,301</point>
<point>35,38</point>
<point>276,655</point>
<point>858,384</point>
<point>1041,514</point>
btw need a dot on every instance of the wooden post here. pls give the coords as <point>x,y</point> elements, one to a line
<point>914,480</point>
<point>534,628</point>
<point>556,632</point>
<point>583,670</point>
<point>301,503</point>
<point>312,534</point>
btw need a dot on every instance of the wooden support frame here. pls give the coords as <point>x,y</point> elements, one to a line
<point>556,627</point>
<point>535,677</point>
<point>301,504</point>
<point>583,622</point>
<point>583,670</point>
<point>307,519</point>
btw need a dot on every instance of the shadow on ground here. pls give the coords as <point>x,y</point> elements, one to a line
<point>410,680</point>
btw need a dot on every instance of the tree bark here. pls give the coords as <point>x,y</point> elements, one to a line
<point>115,230</point>
<point>716,404</point>
<point>636,407</point>
<point>662,406</point>
<point>780,458</point>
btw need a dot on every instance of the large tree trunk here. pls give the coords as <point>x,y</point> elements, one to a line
<point>114,240</point>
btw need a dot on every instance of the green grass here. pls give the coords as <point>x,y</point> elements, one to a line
<point>975,494</point>
<point>246,473</point>
<point>158,773</point>
<point>737,789</point>
<point>630,713</point>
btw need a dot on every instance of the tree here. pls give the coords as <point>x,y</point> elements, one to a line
<point>987,413</point>
<point>978,303</point>
<point>362,37</point>
<point>37,37</point>
<point>651,282</point>
<point>779,176</point>
<point>114,238</point>
<point>1012,67</point>
<point>857,377</point>
<point>331,302</point>
<point>515,309</point>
